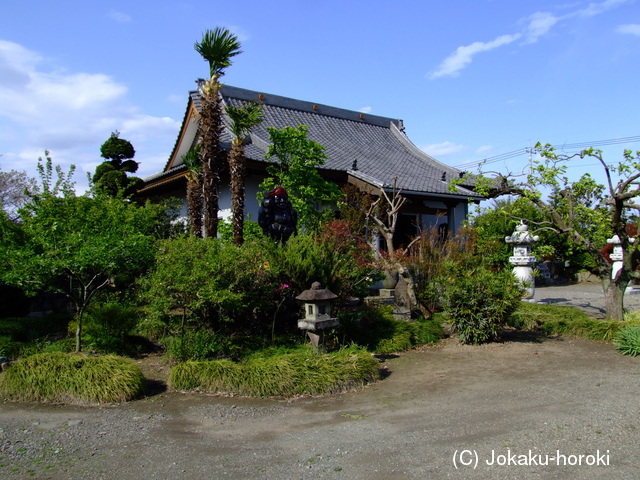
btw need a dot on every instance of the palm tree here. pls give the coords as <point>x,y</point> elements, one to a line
<point>194,189</point>
<point>216,47</point>
<point>243,119</point>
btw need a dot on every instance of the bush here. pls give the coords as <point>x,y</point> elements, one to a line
<point>62,378</point>
<point>431,259</point>
<point>340,261</point>
<point>375,329</point>
<point>479,301</point>
<point>627,340</point>
<point>206,282</point>
<point>200,345</point>
<point>108,327</point>
<point>111,319</point>
<point>302,372</point>
<point>24,329</point>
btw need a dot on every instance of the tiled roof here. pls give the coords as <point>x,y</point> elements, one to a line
<point>376,146</point>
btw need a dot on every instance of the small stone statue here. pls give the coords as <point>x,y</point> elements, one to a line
<point>277,218</point>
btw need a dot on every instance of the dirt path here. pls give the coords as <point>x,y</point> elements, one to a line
<point>528,396</point>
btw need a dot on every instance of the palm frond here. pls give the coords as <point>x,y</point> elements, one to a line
<point>244,118</point>
<point>217,47</point>
<point>192,161</point>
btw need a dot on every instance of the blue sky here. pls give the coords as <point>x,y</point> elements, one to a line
<point>471,79</point>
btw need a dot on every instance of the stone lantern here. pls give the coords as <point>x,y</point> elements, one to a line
<point>317,312</point>
<point>522,260</point>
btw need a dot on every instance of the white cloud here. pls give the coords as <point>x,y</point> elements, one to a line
<point>69,113</point>
<point>536,26</point>
<point>594,8</point>
<point>365,109</point>
<point>452,65</point>
<point>539,24</point>
<point>119,16</point>
<point>632,29</point>
<point>442,149</point>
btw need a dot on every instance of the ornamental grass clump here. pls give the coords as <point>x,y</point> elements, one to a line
<point>563,320</point>
<point>627,340</point>
<point>73,379</point>
<point>301,372</point>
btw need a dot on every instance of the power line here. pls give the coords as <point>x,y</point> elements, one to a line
<point>565,146</point>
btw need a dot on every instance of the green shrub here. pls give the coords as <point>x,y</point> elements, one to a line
<point>479,301</point>
<point>302,372</point>
<point>207,282</point>
<point>62,378</point>
<point>377,330</point>
<point>627,340</point>
<point>200,345</point>
<point>10,348</point>
<point>111,319</point>
<point>24,329</point>
<point>66,345</point>
<point>339,260</point>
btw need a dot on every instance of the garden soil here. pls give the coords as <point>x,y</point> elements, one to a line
<point>530,407</point>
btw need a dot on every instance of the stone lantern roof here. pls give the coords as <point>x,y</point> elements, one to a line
<point>316,294</point>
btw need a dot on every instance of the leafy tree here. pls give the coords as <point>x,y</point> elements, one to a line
<point>194,189</point>
<point>14,191</point>
<point>216,47</point>
<point>295,168</point>
<point>586,212</point>
<point>491,225</point>
<point>77,245</point>
<point>243,119</point>
<point>110,176</point>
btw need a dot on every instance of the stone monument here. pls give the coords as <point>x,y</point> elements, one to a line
<point>522,260</point>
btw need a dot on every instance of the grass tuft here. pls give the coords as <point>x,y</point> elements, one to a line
<point>301,372</point>
<point>627,340</point>
<point>563,320</point>
<point>63,378</point>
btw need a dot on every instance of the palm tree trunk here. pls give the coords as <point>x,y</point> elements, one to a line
<point>194,205</point>
<point>237,168</point>
<point>210,132</point>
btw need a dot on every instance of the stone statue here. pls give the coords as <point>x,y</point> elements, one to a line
<point>277,218</point>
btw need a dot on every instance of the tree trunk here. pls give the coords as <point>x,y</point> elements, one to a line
<point>614,298</point>
<point>237,170</point>
<point>211,204</point>
<point>210,132</point>
<point>194,203</point>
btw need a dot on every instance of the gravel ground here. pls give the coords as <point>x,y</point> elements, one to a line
<point>547,407</point>
<point>586,296</point>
